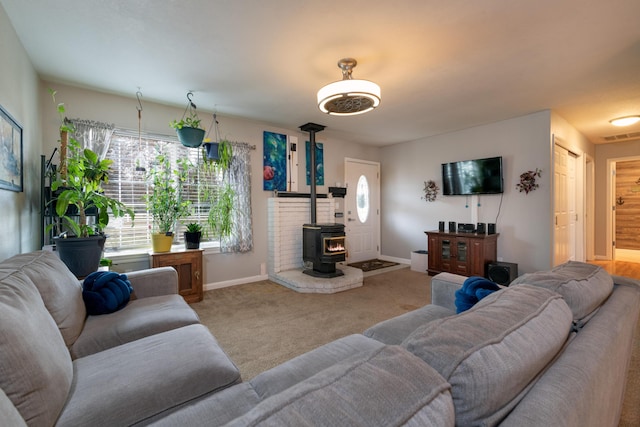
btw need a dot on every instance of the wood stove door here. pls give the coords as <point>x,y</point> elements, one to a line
<point>362,210</point>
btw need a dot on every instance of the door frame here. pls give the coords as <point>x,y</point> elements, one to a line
<point>611,218</point>
<point>348,160</point>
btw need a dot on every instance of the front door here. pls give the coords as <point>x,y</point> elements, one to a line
<point>362,210</point>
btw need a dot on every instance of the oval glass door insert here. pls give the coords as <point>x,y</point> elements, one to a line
<point>362,199</point>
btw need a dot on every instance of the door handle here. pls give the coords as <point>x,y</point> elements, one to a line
<point>350,219</point>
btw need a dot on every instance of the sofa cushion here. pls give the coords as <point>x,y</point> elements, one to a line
<point>490,353</point>
<point>140,379</point>
<point>35,366</point>
<point>8,413</point>
<point>140,318</point>
<point>583,286</point>
<point>59,288</point>
<point>291,372</point>
<point>395,330</point>
<point>384,387</point>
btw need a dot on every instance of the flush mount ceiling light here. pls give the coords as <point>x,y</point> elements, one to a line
<point>348,96</point>
<point>625,121</point>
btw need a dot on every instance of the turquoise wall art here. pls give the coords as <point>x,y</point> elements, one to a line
<point>274,170</point>
<point>319,163</point>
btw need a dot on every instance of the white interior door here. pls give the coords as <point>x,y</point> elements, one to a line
<point>565,214</point>
<point>362,210</point>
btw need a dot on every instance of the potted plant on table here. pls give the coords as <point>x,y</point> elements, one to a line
<point>77,191</point>
<point>192,236</point>
<point>166,202</point>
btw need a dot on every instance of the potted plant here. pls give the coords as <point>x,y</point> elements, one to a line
<point>192,236</point>
<point>188,129</point>
<point>219,152</point>
<point>77,191</point>
<point>165,202</point>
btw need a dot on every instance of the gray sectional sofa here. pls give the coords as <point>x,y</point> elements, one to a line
<point>59,366</point>
<point>551,349</point>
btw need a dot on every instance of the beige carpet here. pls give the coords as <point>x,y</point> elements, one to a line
<point>263,324</point>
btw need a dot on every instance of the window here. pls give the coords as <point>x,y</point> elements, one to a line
<point>362,199</point>
<point>128,183</point>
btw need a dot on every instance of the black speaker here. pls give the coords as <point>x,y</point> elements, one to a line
<point>452,226</point>
<point>481,228</point>
<point>441,226</point>
<point>502,273</point>
<point>491,228</point>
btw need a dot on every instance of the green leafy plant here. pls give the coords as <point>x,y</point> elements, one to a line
<point>192,121</point>
<point>166,202</point>
<point>225,155</point>
<point>194,227</point>
<point>81,186</point>
<point>220,217</point>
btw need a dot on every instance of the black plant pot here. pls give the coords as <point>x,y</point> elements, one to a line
<point>211,148</point>
<point>192,240</point>
<point>81,254</point>
<point>190,137</point>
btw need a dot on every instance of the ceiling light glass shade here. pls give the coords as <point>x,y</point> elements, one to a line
<point>349,97</point>
<point>625,121</point>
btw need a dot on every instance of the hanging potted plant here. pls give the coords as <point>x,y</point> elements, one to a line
<point>192,236</point>
<point>188,127</point>
<point>78,191</point>
<point>220,150</point>
<point>165,202</point>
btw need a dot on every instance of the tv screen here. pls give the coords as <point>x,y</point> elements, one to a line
<point>480,176</point>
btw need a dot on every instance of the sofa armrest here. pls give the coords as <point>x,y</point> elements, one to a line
<point>443,289</point>
<point>626,281</point>
<point>153,282</point>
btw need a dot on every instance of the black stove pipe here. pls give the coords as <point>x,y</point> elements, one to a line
<point>312,128</point>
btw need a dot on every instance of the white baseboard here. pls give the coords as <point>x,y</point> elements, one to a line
<point>234,282</point>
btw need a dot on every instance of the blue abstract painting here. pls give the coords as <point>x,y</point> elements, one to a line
<point>274,171</point>
<point>319,163</point>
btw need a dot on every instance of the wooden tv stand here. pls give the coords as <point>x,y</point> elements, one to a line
<point>466,254</point>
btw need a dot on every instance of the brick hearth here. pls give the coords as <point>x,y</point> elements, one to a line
<point>284,264</point>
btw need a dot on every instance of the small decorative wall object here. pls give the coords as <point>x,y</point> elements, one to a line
<point>274,171</point>
<point>528,181</point>
<point>430,191</point>
<point>10,153</point>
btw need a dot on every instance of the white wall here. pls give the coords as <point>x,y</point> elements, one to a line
<point>523,221</point>
<point>19,97</point>
<point>121,111</point>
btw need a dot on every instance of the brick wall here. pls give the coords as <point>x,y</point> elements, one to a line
<point>285,218</point>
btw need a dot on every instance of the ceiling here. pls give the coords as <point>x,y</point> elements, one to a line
<point>442,65</point>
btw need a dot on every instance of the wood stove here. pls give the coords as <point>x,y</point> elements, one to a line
<point>323,245</point>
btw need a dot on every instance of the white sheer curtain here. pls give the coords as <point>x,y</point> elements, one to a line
<point>93,135</point>
<point>239,177</point>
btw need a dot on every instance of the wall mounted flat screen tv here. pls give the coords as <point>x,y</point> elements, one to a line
<point>480,176</point>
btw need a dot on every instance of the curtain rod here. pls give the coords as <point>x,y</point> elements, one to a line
<point>134,133</point>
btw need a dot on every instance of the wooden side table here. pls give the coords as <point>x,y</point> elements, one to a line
<point>188,264</point>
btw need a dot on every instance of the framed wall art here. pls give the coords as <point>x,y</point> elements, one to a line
<point>275,161</point>
<point>10,152</point>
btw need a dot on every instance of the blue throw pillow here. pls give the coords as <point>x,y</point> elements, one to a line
<point>104,292</point>
<point>473,290</point>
